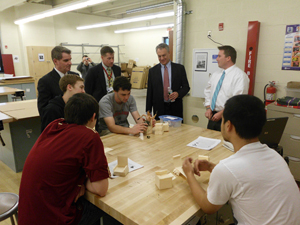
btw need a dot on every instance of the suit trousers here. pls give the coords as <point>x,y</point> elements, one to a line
<point>214,125</point>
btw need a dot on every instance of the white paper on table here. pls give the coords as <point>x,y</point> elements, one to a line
<point>131,166</point>
<point>204,143</point>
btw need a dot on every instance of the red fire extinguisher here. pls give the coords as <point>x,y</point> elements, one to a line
<point>270,93</point>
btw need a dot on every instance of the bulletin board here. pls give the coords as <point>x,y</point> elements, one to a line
<point>291,51</point>
<point>204,65</point>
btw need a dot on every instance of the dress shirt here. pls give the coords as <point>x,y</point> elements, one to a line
<point>235,82</point>
<point>105,75</point>
<point>60,73</point>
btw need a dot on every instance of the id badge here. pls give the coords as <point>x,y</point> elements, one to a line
<point>109,89</point>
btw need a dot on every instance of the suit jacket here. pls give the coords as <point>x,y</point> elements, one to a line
<point>155,89</point>
<point>95,84</point>
<point>48,88</point>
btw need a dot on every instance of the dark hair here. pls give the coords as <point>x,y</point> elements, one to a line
<point>123,83</point>
<point>80,109</point>
<point>57,52</point>
<point>84,56</point>
<point>229,51</point>
<point>247,114</point>
<point>106,49</point>
<point>68,79</point>
<point>163,45</point>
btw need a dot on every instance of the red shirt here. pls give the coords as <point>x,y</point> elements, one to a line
<point>59,161</point>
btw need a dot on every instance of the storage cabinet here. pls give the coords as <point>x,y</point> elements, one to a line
<point>290,140</point>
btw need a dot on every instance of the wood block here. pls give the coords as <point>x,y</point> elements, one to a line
<point>166,126</point>
<point>177,161</point>
<point>122,161</point>
<point>161,172</point>
<point>122,167</point>
<point>164,181</point>
<point>203,157</point>
<point>121,171</point>
<point>160,132</point>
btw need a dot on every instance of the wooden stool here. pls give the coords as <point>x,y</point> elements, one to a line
<point>9,206</point>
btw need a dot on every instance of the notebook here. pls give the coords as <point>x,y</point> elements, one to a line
<point>272,131</point>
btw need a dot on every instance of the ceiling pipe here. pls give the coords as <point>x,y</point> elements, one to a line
<point>179,31</point>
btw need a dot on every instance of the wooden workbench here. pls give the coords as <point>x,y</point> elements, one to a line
<point>135,199</point>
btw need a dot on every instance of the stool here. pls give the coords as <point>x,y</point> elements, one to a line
<point>9,206</point>
<point>18,94</point>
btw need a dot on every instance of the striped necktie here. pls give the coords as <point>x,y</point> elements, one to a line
<point>214,98</point>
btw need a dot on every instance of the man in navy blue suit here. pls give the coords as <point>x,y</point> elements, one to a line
<point>167,85</point>
<point>48,86</point>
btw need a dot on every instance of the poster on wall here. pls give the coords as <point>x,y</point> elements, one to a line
<point>201,61</point>
<point>291,52</point>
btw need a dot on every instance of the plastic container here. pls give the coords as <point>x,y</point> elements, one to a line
<point>173,121</point>
<point>292,92</point>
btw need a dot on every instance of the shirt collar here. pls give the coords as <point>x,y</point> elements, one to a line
<point>105,67</point>
<point>167,65</point>
<point>59,73</point>
<point>229,69</point>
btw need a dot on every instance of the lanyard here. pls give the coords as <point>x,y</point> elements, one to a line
<point>108,76</point>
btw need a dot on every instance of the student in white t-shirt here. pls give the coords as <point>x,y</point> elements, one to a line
<point>255,180</point>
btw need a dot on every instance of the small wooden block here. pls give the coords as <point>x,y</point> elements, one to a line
<point>164,181</point>
<point>161,172</point>
<point>203,157</point>
<point>121,171</point>
<point>159,132</point>
<point>166,126</point>
<point>177,161</point>
<point>122,161</point>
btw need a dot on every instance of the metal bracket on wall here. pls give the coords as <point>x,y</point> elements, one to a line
<point>189,12</point>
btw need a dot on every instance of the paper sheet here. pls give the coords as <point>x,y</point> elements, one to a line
<point>228,145</point>
<point>131,164</point>
<point>204,143</point>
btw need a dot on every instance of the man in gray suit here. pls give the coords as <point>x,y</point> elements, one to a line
<point>85,65</point>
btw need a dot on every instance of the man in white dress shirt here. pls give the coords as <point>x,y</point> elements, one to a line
<point>223,84</point>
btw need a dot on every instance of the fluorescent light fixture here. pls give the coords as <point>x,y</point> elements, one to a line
<point>164,4</point>
<point>128,20</point>
<point>59,10</point>
<point>145,28</point>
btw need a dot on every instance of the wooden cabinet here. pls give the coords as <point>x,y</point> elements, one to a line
<point>39,61</point>
<point>290,140</point>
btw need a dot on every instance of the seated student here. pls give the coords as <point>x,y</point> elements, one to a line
<point>115,108</point>
<point>256,180</point>
<point>67,158</point>
<point>70,84</point>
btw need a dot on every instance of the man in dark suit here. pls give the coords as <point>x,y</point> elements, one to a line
<point>99,79</point>
<point>167,85</point>
<point>48,86</point>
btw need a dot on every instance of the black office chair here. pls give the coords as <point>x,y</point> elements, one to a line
<point>19,95</point>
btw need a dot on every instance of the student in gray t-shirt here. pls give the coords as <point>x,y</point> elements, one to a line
<point>115,108</point>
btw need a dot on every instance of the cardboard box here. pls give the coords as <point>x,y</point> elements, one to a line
<point>124,66</point>
<point>130,66</point>
<point>124,74</point>
<point>138,77</point>
<point>146,70</point>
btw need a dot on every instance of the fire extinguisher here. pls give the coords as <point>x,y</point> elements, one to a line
<point>270,93</point>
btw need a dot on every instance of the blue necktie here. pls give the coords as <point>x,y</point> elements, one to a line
<point>214,99</point>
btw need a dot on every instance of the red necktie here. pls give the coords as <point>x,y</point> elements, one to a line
<point>166,84</point>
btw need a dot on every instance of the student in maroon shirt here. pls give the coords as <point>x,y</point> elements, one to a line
<point>67,158</point>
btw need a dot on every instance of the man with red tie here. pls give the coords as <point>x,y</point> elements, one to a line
<point>223,84</point>
<point>167,85</point>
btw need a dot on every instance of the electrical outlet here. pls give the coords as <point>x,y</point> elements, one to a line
<point>209,33</point>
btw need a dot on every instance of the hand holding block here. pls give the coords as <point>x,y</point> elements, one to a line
<point>163,179</point>
<point>122,167</point>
